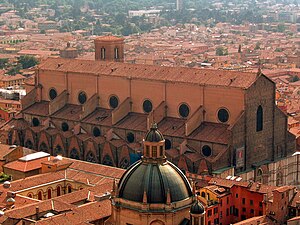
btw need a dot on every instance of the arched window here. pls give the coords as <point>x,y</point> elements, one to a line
<point>29,195</point>
<point>69,188</point>
<point>74,154</point>
<point>102,53</point>
<point>259,118</point>
<point>58,191</point>
<point>107,160</point>
<point>49,193</point>
<point>40,195</point>
<point>203,194</point>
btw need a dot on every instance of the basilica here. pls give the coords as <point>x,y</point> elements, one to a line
<point>100,110</point>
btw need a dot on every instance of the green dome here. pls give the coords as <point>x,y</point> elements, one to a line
<point>154,134</point>
<point>156,180</point>
<point>197,208</point>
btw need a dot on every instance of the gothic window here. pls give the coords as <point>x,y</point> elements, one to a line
<point>35,122</point>
<point>28,144</point>
<point>58,150</point>
<point>82,97</point>
<point>116,53</point>
<point>113,102</point>
<point>223,115</point>
<point>107,160</point>
<point>168,144</point>
<point>74,154</point>
<point>102,53</point>
<point>147,106</point>
<point>259,118</point>
<point>124,164</point>
<point>43,147</point>
<point>90,157</point>
<point>96,132</point>
<point>130,137</point>
<point>52,94</point>
<point>184,110</point>
<point>206,151</point>
<point>64,126</point>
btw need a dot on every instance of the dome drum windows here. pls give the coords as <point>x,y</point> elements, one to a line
<point>113,101</point>
<point>147,106</point>
<point>184,110</point>
<point>82,97</point>
<point>223,115</point>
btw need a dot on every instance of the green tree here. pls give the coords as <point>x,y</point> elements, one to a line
<point>295,78</point>
<point>220,51</point>
<point>3,63</point>
<point>257,46</point>
<point>14,70</point>
<point>27,61</point>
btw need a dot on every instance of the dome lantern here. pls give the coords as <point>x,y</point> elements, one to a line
<point>154,144</point>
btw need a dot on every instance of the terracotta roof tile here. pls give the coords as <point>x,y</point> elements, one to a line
<point>149,72</point>
<point>38,108</point>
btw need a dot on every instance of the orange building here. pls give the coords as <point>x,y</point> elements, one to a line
<point>99,111</point>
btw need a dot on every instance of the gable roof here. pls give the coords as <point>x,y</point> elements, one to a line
<point>210,77</point>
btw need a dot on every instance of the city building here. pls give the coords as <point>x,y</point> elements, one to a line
<point>99,111</point>
<point>153,191</point>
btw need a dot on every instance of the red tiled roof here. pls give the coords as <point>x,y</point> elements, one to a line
<point>149,72</point>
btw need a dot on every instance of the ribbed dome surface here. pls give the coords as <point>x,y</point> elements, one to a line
<point>154,134</point>
<point>197,208</point>
<point>155,179</point>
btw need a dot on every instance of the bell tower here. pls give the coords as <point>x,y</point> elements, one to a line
<point>109,48</point>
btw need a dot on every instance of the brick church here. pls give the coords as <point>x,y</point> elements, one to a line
<point>100,110</point>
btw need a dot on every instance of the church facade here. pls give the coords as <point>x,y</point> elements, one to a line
<point>100,111</point>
